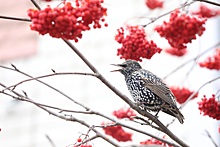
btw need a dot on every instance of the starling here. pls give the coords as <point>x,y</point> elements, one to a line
<point>149,91</point>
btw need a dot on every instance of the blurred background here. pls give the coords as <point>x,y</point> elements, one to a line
<point>25,125</point>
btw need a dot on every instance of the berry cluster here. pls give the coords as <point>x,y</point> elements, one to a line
<point>68,22</point>
<point>153,4</point>
<point>118,133</point>
<point>182,94</point>
<point>206,12</point>
<point>212,62</point>
<point>124,113</point>
<point>135,44</point>
<point>210,107</point>
<point>181,29</point>
<point>154,141</point>
<point>176,52</point>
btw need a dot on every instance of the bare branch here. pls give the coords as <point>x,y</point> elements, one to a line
<point>50,140</point>
<point>15,18</point>
<point>55,89</point>
<point>50,75</point>
<point>146,123</point>
<point>61,110</point>
<point>65,117</point>
<point>87,140</point>
<point>209,135</point>
<point>35,4</point>
<point>209,2</point>
<point>167,13</point>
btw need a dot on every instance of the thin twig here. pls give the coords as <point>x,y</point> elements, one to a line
<point>35,4</point>
<point>87,140</point>
<point>147,122</point>
<point>209,2</point>
<point>65,117</point>
<point>55,89</point>
<point>50,75</point>
<point>15,18</point>
<point>50,140</point>
<point>209,135</point>
<point>160,16</point>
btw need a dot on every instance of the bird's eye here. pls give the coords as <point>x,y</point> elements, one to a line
<point>123,65</point>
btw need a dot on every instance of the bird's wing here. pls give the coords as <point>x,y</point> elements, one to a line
<point>156,85</point>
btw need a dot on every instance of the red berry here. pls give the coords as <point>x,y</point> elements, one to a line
<point>154,141</point>
<point>206,12</point>
<point>68,22</point>
<point>79,140</point>
<point>117,132</point>
<point>212,62</point>
<point>210,107</point>
<point>181,29</point>
<point>182,94</point>
<point>153,4</point>
<point>135,44</point>
<point>124,113</point>
<point>176,52</point>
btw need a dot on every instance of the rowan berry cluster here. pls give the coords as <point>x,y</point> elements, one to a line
<point>117,132</point>
<point>68,22</point>
<point>206,12</point>
<point>181,29</point>
<point>212,62</point>
<point>175,51</point>
<point>153,4</point>
<point>182,94</point>
<point>124,113</point>
<point>135,44</point>
<point>210,107</point>
<point>154,141</point>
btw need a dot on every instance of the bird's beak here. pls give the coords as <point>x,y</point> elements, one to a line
<point>119,65</point>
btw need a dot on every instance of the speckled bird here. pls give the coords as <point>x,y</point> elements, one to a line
<point>149,91</point>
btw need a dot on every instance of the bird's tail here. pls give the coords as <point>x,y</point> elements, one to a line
<point>174,111</point>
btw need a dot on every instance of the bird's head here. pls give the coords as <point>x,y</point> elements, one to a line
<point>127,67</point>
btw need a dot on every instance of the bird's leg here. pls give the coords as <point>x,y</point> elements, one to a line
<point>157,114</point>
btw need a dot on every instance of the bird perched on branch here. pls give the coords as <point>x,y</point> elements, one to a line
<point>148,90</point>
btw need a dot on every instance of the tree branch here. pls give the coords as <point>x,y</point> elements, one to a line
<point>15,18</point>
<point>88,111</point>
<point>65,117</point>
<point>209,2</point>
